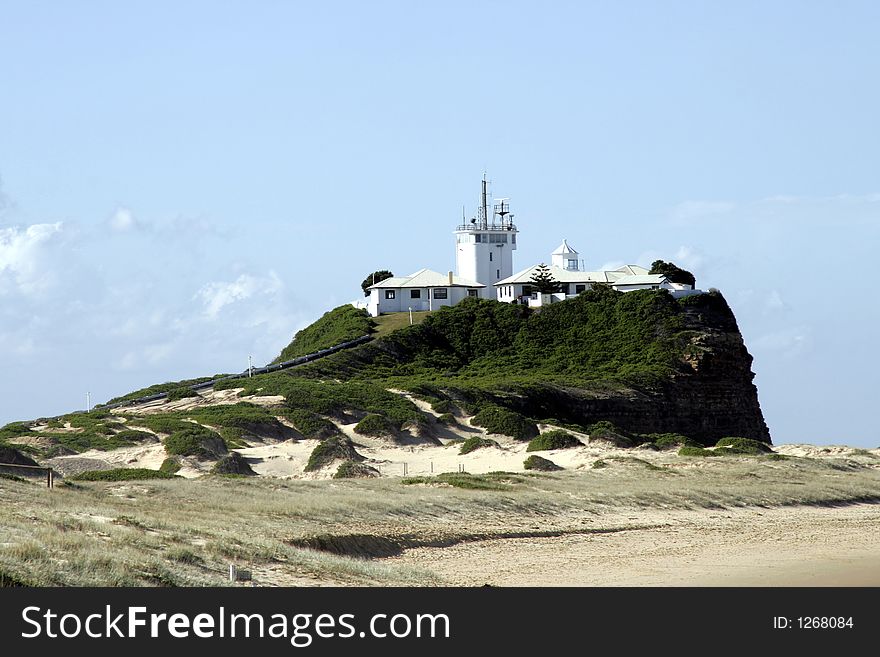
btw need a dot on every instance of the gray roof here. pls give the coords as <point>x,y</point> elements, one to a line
<point>425,278</point>
<point>641,279</point>
<point>573,276</point>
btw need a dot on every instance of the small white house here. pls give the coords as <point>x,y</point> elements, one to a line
<point>423,290</point>
<point>566,269</point>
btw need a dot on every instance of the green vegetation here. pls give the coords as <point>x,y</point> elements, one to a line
<point>476,442</point>
<point>599,464</point>
<point>535,462</point>
<point>171,465</point>
<point>542,280</point>
<point>161,387</point>
<point>441,406</point>
<point>670,440</point>
<point>333,399</point>
<point>338,325</point>
<point>233,464</point>
<point>195,441</point>
<point>735,445</point>
<point>353,470</point>
<point>674,273</point>
<point>447,419</point>
<point>555,439</point>
<point>376,277</point>
<point>606,431</point>
<point>331,449</point>
<point>488,481</point>
<point>374,425</point>
<point>509,423</point>
<point>181,393</point>
<point>388,323</point>
<point>133,436</point>
<point>698,451</point>
<point>311,425</point>
<point>122,474</point>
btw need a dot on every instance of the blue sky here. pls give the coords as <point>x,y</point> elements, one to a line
<point>187,184</point>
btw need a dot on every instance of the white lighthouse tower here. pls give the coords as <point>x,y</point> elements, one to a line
<point>484,247</point>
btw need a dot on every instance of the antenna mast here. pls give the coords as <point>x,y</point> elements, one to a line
<point>485,204</point>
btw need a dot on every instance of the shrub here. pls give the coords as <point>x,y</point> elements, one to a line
<point>332,449</point>
<point>447,418</point>
<point>195,441</point>
<point>122,474</point>
<point>503,421</point>
<point>598,465</point>
<point>606,431</point>
<point>670,440</point>
<point>555,439</point>
<point>181,393</point>
<point>697,451</point>
<point>442,406</point>
<point>233,464</point>
<point>133,436</point>
<point>164,423</point>
<point>535,462</point>
<point>474,443</point>
<point>352,470</point>
<point>374,425</point>
<point>735,445</point>
<point>311,425</point>
<point>489,481</point>
<point>170,465</point>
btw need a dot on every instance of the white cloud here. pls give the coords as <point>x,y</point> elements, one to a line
<point>23,263</point>
<point>774,302</point>
<point>218,294</point>
<point>123,220</point>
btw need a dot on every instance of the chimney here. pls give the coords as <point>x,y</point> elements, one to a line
<point>450,278</point>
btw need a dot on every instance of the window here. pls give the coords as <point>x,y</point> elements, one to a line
<point>572,264</point>
<point>389,294</point>
<point>490,256</point>
<point>440,293</point>
<point>497,273</point>
<point>513,238</point>
<point>579,288</point>
<point>415,294</point>
<point>472,293</point>
<point>479,238</point>
<point>655,287</point>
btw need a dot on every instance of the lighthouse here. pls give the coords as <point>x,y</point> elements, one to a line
<point>484,246</point>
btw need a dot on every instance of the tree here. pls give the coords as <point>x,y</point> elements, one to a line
<point>543,280</point>
<point>674,273</point>
<point>374,278</point>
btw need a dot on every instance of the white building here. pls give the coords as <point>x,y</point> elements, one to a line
<point>484,247</point>
<point>566,269</point>
<point>423,290</point>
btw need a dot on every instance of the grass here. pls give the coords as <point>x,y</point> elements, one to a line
<point>185,532</point>
<point>390,322</point>
<point>335,326</point>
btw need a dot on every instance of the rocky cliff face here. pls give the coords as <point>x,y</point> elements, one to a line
<point>712,396</point>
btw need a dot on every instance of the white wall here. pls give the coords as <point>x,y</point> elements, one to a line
<point>403,301</point>
<point>472,258</point>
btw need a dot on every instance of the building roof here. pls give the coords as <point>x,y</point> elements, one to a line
<point>632,270</point>
<point>564,249</point>
<point>641,279</point>
<point>562,276</point>
<point>425,278</point>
